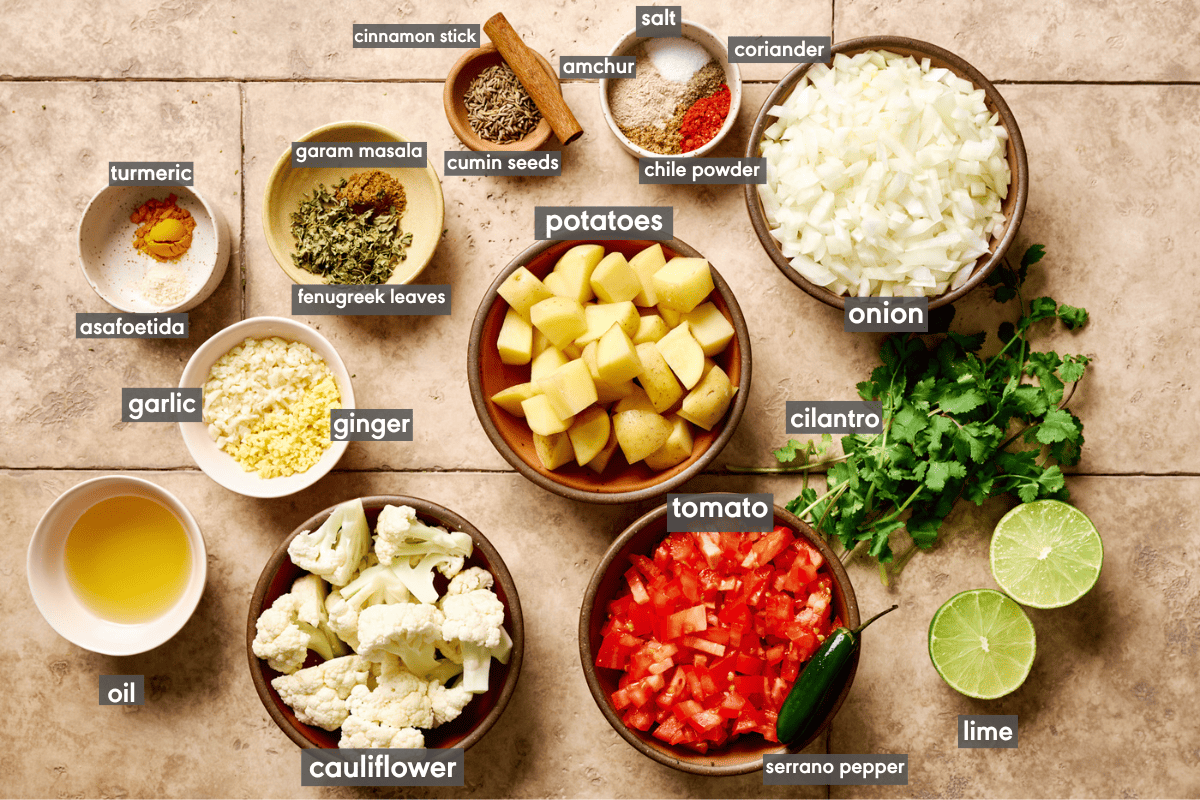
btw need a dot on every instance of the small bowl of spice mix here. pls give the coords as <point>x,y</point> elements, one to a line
<point>683,98</point>
<point>487,106</point>
<point>150,249</point>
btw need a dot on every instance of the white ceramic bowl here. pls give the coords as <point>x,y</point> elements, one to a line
<point>219,465</point>
<point>115,269</point>
<point>716,48</point>
<point>62,608</point>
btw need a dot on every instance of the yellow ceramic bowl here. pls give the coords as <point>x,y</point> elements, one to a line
<point>287,187</point>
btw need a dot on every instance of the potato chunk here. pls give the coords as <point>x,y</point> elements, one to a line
<point>575,268</point>
<point>707,403</point>
<point>510,399</point>
<point>680,349</point>
<point>569,388</point>
<point>546,362</point>
<point>553,450</point>
<point>616,358</point>
<point>683,283</point>
<point>645,264</point>
<point>602,316</point>
<point>600,462</point>
<point>710,328</point>
<point>515,341</point>
<point>651,328</point>
<point>522,290</point>
<point>640,431</point>
<point>589,434</point>
<point>657,378</point>
<point>540,416</point>
<point>677,449</point>
<point>560,318</point>
<point>614,281</point>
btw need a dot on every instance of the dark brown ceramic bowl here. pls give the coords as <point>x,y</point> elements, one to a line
<point>620,482</point>
<point>1013,205</point>
<point>745,753</point>
<point>465,70</point>
<point>479,715</point>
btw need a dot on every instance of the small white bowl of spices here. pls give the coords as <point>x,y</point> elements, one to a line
<point>268,384</point>
<point>152,249</point>
<point>683,99</point>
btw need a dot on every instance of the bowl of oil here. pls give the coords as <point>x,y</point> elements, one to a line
<point>117,565</point>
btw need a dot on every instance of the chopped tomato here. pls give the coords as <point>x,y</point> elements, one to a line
<point>709,634</point>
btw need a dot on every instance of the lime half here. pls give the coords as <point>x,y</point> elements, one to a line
<point>982,644</point>
<point>1046,554</point>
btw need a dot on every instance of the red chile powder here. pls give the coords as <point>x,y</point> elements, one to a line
<point>704,119</point>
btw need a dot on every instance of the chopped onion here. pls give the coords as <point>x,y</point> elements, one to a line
<point>884,177</point>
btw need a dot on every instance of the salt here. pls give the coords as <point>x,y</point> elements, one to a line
<point>676,59</point>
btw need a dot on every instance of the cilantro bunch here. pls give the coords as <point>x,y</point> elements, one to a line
<point>956,424</point>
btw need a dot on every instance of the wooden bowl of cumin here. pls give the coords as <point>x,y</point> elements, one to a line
<point>459,81</point>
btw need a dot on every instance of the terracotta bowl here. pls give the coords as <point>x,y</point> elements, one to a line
<point>287,187</point>
<point>479,715</point>
<point>620,482</point>
<point>745,753</point>
<point>1018,190</point>
<point>465,70</point>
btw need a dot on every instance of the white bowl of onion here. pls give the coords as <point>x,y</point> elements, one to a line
<point>901,172</point>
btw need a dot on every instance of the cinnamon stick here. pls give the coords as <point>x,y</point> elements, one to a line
<point>528,69</point>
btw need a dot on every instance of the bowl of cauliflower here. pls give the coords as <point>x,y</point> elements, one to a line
<point>385,622</point>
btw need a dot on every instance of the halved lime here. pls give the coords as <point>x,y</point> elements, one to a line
<point>1046,554</point>
<point>982,644</point>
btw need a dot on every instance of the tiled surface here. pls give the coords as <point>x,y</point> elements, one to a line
<point>1112,197</point>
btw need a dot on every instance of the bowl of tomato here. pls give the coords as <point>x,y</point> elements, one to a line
<point>691,641</point>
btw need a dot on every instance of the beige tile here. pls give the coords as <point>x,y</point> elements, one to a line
<point>64,406</point>
<point>296,41</point>
<point>1108,710</point>
<point>203,731</point>
<point>1055,41</point>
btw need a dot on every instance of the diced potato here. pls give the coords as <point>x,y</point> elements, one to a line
<point>640,432</point>
<point>670,316</point>
<point>645,264</point>
<point>558,287</point>
<point>684,354</point>
<point>657,378</point>
<point>616,358</point>
<point>523,290</point>
<point>560,318</point>
<point>602,316</point>
<point>683,283</point>
<point>651,328</point>
<point>676,450</point>
<point>710,328</point>
<point>636,401</point>
<point>553,450</point>
<point>575,267</point>
<point>510,399</point>
<point>546,362</point>
<point>600,462</point>
<point>611,392</point>
<point>540,416</point>
<point>614,281</point>
<point>569,388</point>
<point>572,351</point>
<point>540,343</point>
<point>515,341</point>
<point>707,403</point>
<point>589,434</point>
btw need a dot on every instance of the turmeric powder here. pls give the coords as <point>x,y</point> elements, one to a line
<point>165,229</point>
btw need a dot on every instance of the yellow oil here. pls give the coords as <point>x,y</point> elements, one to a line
<point>128,559</point>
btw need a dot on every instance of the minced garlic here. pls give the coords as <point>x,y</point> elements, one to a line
<point>267,402</point>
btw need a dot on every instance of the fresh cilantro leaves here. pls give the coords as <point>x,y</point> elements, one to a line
<point>956,425</point>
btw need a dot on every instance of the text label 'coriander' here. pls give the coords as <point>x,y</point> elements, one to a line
<point>886,315</point>
<point>605,223</point>
<point>371,424</point>
<point>151,173</point>
<point>702,171</point>
<point>737,513</point>
<point>365,301</point>
<point>416,36</point>
<point>359,154</point>
<point>780,49</point>
<point>162,405</point>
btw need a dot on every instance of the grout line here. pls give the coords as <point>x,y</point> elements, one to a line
<point>244,81</point>
<point>477,471</point>
<point>242,195</point>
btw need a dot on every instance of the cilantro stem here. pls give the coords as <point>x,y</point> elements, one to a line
<point>785,470</point>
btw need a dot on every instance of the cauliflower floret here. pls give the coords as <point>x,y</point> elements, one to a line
<point>399,534</point>
<point>318,694</point>
<point>342,619</point>
<point>334,551</point>
<point>400,700</point>
<point>294,624</point>
<point>475,617</point>
<point>470,580</point>
<point>407,630</point>
<point>358,732</point>
<point>448,704</point>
